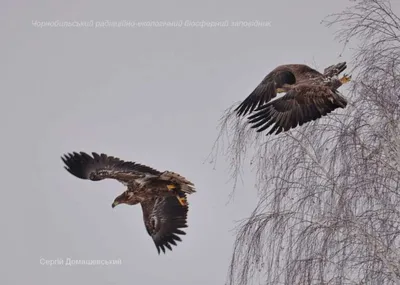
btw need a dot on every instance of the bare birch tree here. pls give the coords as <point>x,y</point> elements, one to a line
<point>329,191</point>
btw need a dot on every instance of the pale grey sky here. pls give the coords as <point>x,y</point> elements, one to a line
<point>151,95</point>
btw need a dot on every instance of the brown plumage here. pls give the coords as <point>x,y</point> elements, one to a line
<point>162,195</point>
<point>277,78</point>
<point>309,95</point>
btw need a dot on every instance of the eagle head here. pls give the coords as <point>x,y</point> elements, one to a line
<point>125,198</point>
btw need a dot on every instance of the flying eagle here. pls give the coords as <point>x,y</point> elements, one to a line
<point>309,96</point>
<point>162,195</point>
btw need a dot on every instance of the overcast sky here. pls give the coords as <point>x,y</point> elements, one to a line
<point>150,95</point>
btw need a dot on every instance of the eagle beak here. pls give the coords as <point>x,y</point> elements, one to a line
<point>114,204</point>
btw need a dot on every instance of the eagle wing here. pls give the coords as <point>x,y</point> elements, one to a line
<point>302,104</point>
<point>163,218</point>
<point>284,74</point>
<point>102,166</point>
<point>266,90</point>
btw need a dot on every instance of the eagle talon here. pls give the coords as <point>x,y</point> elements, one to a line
<point>346,78</point>
<point>280,90</point>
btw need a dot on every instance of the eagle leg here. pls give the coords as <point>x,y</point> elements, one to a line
<point>171,187</point>
<point>181,200</point>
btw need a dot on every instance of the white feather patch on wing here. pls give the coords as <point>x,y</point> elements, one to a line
<point>144,180</point>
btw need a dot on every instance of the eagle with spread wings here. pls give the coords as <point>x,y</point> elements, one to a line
<point>309,96</point>
<point>162,195</point>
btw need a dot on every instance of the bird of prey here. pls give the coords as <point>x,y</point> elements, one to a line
<point>162,195</point>
<point>309,96</point>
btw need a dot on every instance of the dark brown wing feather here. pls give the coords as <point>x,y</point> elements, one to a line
<point>300,105</point>
<point>163,218</point>
<point>102,166</point>
<point>266,90</point>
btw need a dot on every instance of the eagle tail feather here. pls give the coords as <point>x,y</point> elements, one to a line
<point>179,182</point>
